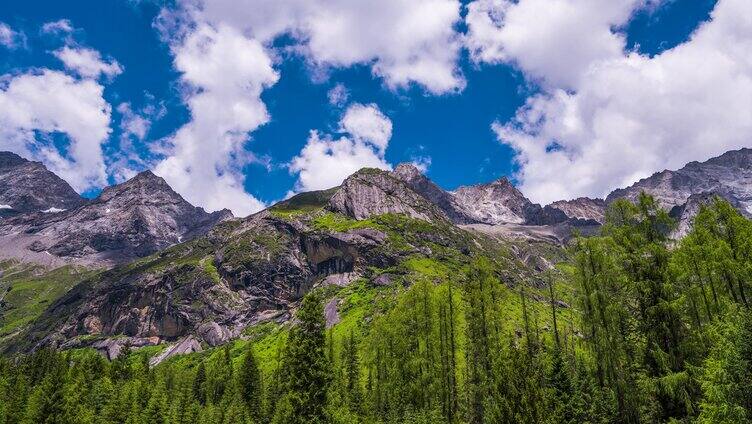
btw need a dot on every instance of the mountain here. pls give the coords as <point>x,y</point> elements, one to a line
<point>728,175</point>
<point>127,221</point>
<point>27,186</point>
<point>419,183</point>
<point>373,231</point>
<point>196,279</point>
<point>495,203</point>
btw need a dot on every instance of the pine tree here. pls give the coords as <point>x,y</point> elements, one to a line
<point>351,365</point>
<point>199,383</point>
<point>249,383</point>
<point>306,372</point>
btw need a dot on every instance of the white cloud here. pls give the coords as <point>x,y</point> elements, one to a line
<point>224,73</point>
<point>338,95</point>
<point>50,102</point>
<point>404,42</point>
<point>62,26</point>
<point>633,115</point>
<point>366,123</point>
<point>422,163</point>
<point>87,62</point>
<point>554,41</point>
<point>9,38</point>
<point>132,123</point>
<point>325,162</point>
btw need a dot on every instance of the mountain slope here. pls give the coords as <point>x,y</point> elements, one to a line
<point>129,220</point>
<point>243,272</point>
<point>27,186</point>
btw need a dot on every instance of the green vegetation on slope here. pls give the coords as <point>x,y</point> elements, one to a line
<point>26,290</point>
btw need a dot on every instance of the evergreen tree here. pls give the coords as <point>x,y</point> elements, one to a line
<point>306,371</point>
<point>249,383</point>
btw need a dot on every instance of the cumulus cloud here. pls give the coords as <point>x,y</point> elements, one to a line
<point>632,115</point>
<point>134,152</point>
<point>87,62</point>
<point>35,106</point>
<point>366,123</point>
<point>553,41</point>
<point>324,161</point>
<point>224,73</point>
<point>404,42</point>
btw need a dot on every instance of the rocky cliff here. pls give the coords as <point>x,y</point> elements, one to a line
<point>27,186</point>
<point>583,209</point>
<point>371,192</point>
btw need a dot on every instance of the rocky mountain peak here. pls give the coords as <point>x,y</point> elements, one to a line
<point>27,186</point>
<point>144,186</point>
<point>493,203</point>
<point>132,219</point>
<point>10,159</point>
<point>582,208</point>
<point>407,171</point>
<point>372,191</point>
<point>419,183</point>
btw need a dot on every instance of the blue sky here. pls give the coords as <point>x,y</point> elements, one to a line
<point>466,125</point>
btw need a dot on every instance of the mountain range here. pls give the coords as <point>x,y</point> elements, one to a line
<point>143,266</point>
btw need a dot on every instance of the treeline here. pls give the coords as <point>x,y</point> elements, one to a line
<point>662,333</point>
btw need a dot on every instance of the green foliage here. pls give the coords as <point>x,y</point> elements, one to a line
<point>26,291</point>
<point>301,204</point>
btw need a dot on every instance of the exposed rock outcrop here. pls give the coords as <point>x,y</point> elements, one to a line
<point>371,192</point>
<point>583,209</point>
<point>239,274</point>
<point>444,200</point>
<point>494,203</point>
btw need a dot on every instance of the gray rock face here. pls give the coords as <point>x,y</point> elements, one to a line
<point>371,192</point>
<point>420,184</point>
<point>686,213</point>
<point>582,209</point>
<point>728,175</point>
<point>494,203</point>
<point>129,220</point>
<point>27,186</point>
<point>186,345</point>
<point>331,314</point>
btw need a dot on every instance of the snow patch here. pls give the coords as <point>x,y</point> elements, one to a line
<point>6,207</point>
<point>107,210</point>
<point>53,210</point>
